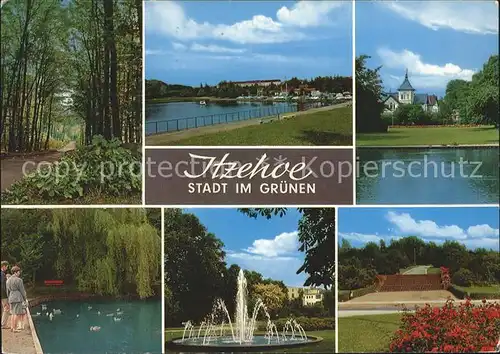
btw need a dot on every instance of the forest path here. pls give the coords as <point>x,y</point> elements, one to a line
<point>14,168</point>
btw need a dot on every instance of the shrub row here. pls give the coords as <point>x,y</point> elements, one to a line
<point>308,323</point>
<point>356,293</point>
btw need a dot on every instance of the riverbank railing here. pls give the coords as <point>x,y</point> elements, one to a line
<point>172,125</point>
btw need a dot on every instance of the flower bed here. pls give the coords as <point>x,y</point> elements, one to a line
<point>452,329</point>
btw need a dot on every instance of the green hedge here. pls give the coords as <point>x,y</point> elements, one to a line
<point>343,297</point>
<point>308,323</point>
<point>461,294</point>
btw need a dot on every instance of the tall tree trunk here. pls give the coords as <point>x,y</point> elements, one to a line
<point>111,45</point>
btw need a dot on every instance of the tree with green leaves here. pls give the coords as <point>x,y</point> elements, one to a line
<point>194,267</point>
<point>369,107</point>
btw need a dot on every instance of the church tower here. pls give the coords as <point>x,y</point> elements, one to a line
<point>406,92</point>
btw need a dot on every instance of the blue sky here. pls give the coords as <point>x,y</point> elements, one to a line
<point>266,246</point>
<point>437,41</point>
<point>194,42</point>
<point>474,227</point>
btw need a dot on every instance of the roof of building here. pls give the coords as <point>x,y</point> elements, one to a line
<point>406,86</point>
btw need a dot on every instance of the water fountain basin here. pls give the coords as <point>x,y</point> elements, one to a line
<point>227,344</point>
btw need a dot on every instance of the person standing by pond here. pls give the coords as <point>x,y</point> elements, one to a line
<point>17,296</point>
<point>5,302</point>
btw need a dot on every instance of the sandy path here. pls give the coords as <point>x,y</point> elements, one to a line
<point>17,343</point>
<point>12,167</point>
<point>402,296</point>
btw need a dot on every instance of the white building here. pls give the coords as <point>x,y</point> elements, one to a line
<point>310,296</point>
<point>406,95</point>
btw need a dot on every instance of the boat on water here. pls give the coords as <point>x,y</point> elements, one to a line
<point>203,103</point>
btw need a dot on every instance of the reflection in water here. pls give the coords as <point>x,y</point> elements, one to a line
<point>428,176</point>
<point>124,326</point>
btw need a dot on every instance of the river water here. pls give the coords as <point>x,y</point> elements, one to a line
<point>174,116</point>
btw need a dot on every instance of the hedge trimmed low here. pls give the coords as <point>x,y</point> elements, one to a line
<point>461,294</point>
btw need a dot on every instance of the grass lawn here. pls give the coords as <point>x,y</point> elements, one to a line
<point>490,289</point>
<point>327,345</point>
<point>430,136</point>
<point>332,127</point>
<point>367,333</point>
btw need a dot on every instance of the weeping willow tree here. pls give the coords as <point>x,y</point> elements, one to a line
<point>107,251</point>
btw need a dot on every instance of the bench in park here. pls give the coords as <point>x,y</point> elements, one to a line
<point>53,282</point>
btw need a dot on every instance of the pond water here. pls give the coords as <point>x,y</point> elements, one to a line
<point>125,327</point>
<point>428,176</point>
<point>165,117</point>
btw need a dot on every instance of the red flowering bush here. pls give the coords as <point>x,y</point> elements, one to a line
<point>451,329</point>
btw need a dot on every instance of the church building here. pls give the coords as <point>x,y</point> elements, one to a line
<point>406,95</point>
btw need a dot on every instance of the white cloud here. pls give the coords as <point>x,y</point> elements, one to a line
<point>482,231</point>
<point>211,48</point>
<point>284,243</point>
<point>424,228</point>
<point>422,74</point>
<point>307,13</point>
<point>488,243</point>
<point>169,18</point>
<point>363,238</point>
<point>478,17</point>
<point>279,268</point>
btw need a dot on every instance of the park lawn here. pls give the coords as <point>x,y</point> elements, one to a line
<point>327,345</point>
<point>433,270</point>
<point>370,333</point>
<point>332,127</point>
<point>430,136</point>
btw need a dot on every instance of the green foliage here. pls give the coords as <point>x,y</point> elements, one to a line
<point>103,251</point>
<point>410,114</point>
<point>194,267</point>
<point>463,277</point>
<point>32,254</point>
<point>107,251</point>
<point>368,91</point>
<point>104,167</point>
<point>308,323</point>
<point>476,101</point>
<point>358,266</point>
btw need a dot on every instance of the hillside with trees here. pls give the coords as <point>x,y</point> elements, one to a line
<point>358,267</point>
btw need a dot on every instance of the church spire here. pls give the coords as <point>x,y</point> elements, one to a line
<point>406,86</point>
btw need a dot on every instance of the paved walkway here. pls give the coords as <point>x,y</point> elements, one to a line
<point>165,138</point>
<point>12,167</point>
<point>417,270</point>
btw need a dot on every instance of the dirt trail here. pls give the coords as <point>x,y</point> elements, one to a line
<point>12,166</point>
